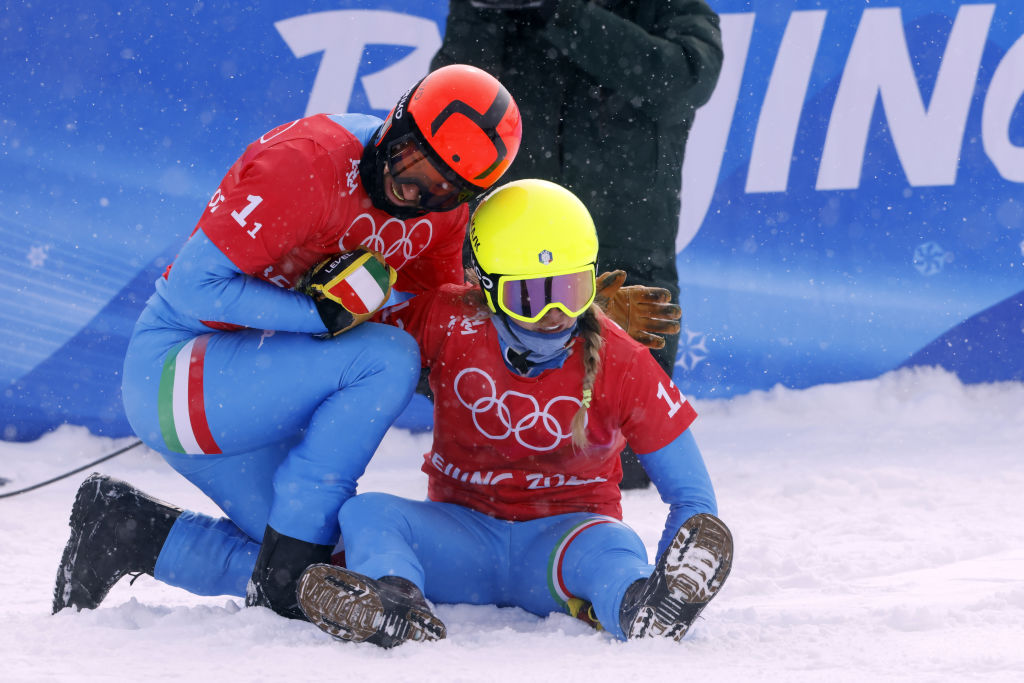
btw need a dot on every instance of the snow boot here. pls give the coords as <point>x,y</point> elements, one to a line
<point>279,564</point>
<point>115,530</point>
<point>689,573</point>
<point>352,607</point>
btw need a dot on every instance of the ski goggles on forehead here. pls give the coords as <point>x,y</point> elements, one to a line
<point>441,189</point>
<point>528,299</point>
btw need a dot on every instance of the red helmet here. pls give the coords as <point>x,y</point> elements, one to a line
<point>453,134</point>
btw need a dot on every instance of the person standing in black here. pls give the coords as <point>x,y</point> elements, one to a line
<point>608,90</point>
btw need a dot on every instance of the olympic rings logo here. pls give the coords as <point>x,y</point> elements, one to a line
<point>393,239</point>
<point>514,413</point>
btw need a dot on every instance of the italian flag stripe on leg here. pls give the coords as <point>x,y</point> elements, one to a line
<point>556,582</point>
<point>181,405</point>
<point>364,287</point>
<point>167,429</point>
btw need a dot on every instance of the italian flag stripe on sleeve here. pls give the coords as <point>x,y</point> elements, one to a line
<point>182,409</point>
<point>363,285</point>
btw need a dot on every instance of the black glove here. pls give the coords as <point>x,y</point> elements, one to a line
<point>348,288</point>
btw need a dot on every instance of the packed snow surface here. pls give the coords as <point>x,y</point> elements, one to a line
<point>879,529</point>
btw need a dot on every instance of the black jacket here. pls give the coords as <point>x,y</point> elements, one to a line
<point>608,92</point>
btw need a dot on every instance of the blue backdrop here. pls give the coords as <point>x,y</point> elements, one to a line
<point>852,193</point>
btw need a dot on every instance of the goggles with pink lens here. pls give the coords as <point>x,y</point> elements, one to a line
<point>528,299</point>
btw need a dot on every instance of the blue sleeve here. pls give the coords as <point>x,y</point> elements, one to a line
<point>362,126</point>
<point>678,472</point>
<point>205,284</point>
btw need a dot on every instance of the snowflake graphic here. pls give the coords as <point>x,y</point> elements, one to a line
<point>694,349</point>
<point>930,258</point>
<point>37,256</point>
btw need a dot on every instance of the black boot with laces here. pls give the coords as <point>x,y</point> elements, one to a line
<point>353,607</point>
<point>115,530</point>
<point>689,573</point>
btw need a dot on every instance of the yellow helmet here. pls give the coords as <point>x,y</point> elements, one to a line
<point>534,248</point>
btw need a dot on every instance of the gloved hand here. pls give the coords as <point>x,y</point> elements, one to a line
<point>643,312</point>
<point>348,288</point>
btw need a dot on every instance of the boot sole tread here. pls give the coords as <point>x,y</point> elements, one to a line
<point>348,607</point>
<point>694,567</point>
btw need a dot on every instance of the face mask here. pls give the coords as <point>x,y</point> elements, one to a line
<point>530,353</point>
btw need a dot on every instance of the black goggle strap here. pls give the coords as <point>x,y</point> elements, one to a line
<point>488,284</point>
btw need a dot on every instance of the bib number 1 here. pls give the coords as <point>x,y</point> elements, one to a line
<point>673,406</point>
<point>240,216</point>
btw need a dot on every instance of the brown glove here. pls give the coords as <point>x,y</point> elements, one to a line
<point>643,312</point>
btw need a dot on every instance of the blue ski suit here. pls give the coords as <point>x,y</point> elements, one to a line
<point>224,376</point>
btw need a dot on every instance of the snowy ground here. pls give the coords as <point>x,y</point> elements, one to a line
<point>879,532</point>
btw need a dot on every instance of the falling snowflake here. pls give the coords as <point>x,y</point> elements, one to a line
<point>694,349</point>
<point>37,256</point>
<point>930,258</point>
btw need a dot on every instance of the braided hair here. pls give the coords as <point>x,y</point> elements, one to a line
<point>590,330</point>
